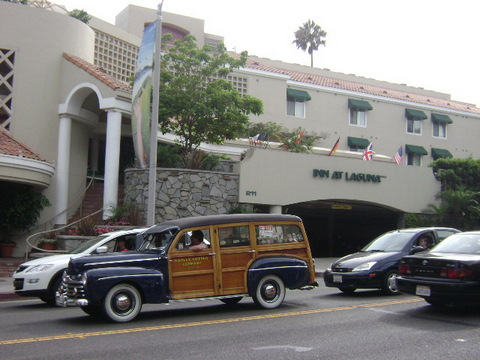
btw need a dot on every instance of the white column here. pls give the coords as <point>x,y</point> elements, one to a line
<point>94,145</point>
<point>112,161</point>
<point>63,169</point>
<point>275,209</point>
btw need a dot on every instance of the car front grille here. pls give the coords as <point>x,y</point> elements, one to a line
<point>341,270</point>
<point>74,289</point>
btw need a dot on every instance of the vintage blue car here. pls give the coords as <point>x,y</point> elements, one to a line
<point>225,257</point>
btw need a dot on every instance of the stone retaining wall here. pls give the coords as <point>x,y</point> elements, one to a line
<point>182,192</point>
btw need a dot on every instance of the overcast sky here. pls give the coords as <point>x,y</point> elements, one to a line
<point>431,44</point>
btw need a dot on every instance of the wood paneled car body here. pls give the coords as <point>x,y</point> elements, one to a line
<point>257,255</point>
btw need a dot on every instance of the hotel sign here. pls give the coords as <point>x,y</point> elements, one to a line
<point>347,176</point>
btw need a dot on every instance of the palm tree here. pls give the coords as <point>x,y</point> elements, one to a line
<point>309,37</point>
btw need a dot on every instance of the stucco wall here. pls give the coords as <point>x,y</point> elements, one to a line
<point>282,178</point>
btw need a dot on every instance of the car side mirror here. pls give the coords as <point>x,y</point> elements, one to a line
<point>417,249</point>
<point>101,250</point>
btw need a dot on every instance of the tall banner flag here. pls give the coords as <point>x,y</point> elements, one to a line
<point>399,155</point>
<point>142,97</point>
<point>368,153</point>
<point>335,147</point>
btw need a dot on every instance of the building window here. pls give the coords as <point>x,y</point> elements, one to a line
<point>414,126</point>
<point>439,130</point>
<point>414,159</point>
<point>414,121</point>
<point>7,62</point>
<point>358,112</point>
<point>440,123</point>
<point>296,100</point>
<point>414,154</point>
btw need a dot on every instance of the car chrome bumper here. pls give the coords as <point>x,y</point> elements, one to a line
<point>62,300</point>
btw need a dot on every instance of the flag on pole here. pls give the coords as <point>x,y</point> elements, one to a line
<point>368,153</point>
<point>335,147</point>
<point>399,155</point>
<point>142,97</point>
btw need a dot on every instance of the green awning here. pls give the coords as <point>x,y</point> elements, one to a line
<point>441,118</point>
<point>441,153</point>
<point>299,94</point>
<point>358,142</point>
<point>415,149</point>
<point>415,114</point>
<point>359,105</point>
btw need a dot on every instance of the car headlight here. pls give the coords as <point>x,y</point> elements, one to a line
<point>365,266</point>
<point>42,267</point>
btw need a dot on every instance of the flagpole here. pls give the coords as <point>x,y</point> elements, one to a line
<point>152,174</point>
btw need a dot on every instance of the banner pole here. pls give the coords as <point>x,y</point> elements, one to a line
<point>152,174</point>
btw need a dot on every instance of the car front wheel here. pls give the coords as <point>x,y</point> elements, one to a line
<point>270,292</point>
<point>390,283</point>
<point>122,303</point>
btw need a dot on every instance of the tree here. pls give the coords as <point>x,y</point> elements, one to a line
<point>460,194</point>
<point>309,37</point>
<point>197,103</point>
<point>81,15</point>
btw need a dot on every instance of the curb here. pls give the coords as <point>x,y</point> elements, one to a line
<point>10,296</point>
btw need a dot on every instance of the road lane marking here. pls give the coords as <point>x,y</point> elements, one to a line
<point>68,336</point>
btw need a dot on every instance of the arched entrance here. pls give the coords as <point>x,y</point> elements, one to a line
<point>336,228</point>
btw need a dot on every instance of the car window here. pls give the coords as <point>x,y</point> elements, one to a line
<point>277,234</point>
<point>460,244</point>
<point>87,244</point>
<point>157,240</point>
<point>185,242</point>
<point>234,236</point>
<point>442,234</point>
<point>395,241</point>
<point>425,240</point>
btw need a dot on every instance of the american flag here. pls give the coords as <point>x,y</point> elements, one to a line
<point>398,156</point>
<point>368,153</point>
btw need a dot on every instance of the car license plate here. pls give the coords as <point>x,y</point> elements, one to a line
<point>337,279</point>
<point>423,290</point>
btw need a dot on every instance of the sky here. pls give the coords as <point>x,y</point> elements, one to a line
<point>431,44</point>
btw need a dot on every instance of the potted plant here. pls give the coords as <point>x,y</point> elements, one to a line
<point>6,248</point>
<point>48,242</point>
<point>21,207</point>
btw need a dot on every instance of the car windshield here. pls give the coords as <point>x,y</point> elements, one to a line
<point>395,241</point>
<point>459,243</point>
<point>84,246</point>
<point>157,240</point>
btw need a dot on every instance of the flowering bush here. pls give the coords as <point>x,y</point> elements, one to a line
<point>298,141</point>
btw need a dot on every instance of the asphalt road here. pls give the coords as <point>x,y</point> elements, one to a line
<point>317,324</point>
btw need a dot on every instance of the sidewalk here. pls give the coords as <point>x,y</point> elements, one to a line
<point>7,292</point>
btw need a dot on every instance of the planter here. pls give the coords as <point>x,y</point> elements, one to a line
<point>48,246</point>
<point>6,249</point>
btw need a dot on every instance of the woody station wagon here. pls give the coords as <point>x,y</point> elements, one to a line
<point>256,255</point>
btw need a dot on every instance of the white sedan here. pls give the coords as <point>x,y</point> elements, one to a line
<point>42,277</point>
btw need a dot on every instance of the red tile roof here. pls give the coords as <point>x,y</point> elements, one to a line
<point>10,146</point>
<point>364,88</point>
<point>98,73</point>
<point>303,77</point>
